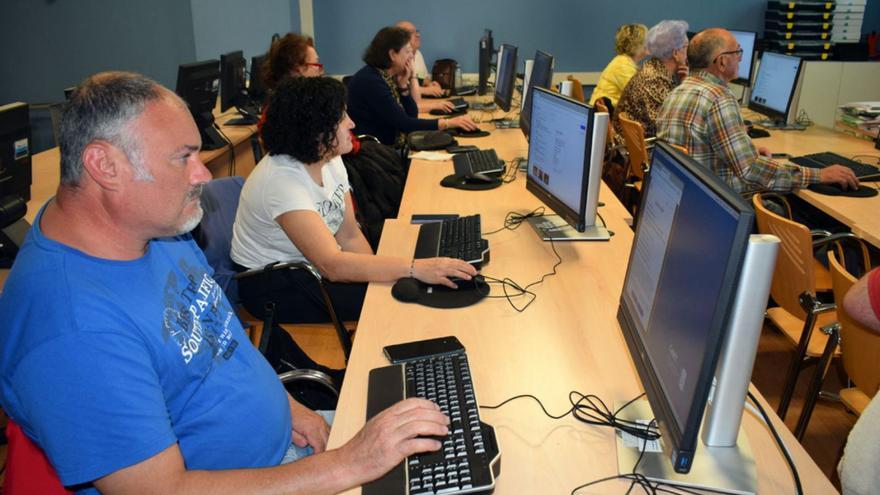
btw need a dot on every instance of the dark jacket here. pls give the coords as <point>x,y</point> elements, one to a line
<point>375,111</point>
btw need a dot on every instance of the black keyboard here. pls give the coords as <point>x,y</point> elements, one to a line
<point>822,160</point>
<point>459,238</point>
<point>458,103</point>
<point>477,162</point>
<point>469,460</point>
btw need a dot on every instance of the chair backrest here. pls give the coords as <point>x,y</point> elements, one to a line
<point>793,274</point>
<point>634,139</point>
<point>860,347</point>
<point>214,234</point>
<point>27,469</point>
<point>577,89</point>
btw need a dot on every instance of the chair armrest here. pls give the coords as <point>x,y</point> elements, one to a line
<point>289,265</point>
<point>312,376</point>
<point>367,137</point>
<point>824,241</point>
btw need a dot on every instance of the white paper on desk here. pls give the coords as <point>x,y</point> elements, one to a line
<point>431,155</point>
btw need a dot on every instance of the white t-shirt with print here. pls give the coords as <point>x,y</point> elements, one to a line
<point>277,185</point>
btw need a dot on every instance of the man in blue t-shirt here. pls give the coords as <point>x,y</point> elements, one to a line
<point>121,357</point>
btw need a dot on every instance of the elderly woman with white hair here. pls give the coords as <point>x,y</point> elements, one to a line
<point>643,96</point>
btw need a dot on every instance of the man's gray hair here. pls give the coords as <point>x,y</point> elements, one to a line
<point>704,48</point>
<point>102,108</point>
<point>666,37</point>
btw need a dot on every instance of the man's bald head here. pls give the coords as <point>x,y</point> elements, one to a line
<point>706,46</point>
<point>415,37</point>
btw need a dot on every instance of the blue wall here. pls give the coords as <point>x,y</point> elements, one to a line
<point>579,33</point>
<point>48,45</point>
<point>222,26</point>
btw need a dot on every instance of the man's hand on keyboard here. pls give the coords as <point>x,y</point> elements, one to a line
<point>393,435</point>
<point>838,174</point>
<point>443,105</point>
<point>441,270</point>
<point>433,89</point>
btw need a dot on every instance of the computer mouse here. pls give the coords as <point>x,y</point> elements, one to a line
<point>754,133</point>
<point>406,289</point>
<point>476,133</point>
<point>479,179</point>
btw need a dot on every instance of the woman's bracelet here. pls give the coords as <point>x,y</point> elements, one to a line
<point>412,267</point>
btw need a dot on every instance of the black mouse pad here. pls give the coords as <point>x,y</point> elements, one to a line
<point>453,113</point>
<point>439,296</point>
<point>472,134</point>
<point>458,182</point>
<point>832,190</point>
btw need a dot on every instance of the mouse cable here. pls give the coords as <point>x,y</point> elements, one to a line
<point>512,171</point>
<point>785,453</point>
<point>590,409</point>
<point>231,150</point>
<point>875,157</point>
<point>507,282</point>
<point>514,219</point>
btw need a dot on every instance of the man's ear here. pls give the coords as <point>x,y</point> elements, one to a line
<point>101,160</point>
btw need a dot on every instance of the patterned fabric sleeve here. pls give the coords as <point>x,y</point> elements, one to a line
<point>729,139</point>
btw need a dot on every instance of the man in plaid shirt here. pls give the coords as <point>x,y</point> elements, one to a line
<point>702,115</point>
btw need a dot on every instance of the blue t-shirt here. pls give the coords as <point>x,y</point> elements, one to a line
<point>107,363</point>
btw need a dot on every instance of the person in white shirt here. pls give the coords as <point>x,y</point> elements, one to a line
<point>858,468</point>
<point>425,86</point>
<point>296,205</point>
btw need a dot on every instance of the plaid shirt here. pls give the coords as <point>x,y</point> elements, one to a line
<point>702,115</point>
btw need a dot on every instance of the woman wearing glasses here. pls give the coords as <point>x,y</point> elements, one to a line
<point>292,55</point>
<point>380,97</point>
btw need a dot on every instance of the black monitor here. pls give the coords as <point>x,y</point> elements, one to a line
<point>198,84</point>
<point>541,77</point>
<point>15,178</point>
<point>256,90</point>
<point>566,149</point>
<point>233,80</point>
<point>487,50</point>
<point>746,40</point>
<point>775,87</point>
<point>679,293</point>
<point>505,76</point>
<point>233,89</point>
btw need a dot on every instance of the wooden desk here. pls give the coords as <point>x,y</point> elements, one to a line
<point>861,215</point>
<point>568,339</point>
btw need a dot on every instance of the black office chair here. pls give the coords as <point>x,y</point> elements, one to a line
<point>219,200</point>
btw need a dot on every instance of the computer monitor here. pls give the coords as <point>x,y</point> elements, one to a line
<point>233,80</point>
<point>541,77</point>
<point>198,84</point>
<point>776,85</point>
<point>15,178</point>
<point>256,90</point>
<point>505,76</point>
<point>487,50</point>
<point>746,40</point>
<point>676,305</point>
<point>566,150</point>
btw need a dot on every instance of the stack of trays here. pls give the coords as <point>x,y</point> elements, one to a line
<point>801,28</point>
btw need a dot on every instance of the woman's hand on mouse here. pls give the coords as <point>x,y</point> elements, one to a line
<point>462,122</point>
<point>441,270</point>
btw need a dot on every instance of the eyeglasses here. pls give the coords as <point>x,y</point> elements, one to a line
<point>316,65</point>
<point>738,53</point>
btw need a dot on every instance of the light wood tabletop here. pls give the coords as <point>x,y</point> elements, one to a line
<point>568,339</point>
<point>861,215</point>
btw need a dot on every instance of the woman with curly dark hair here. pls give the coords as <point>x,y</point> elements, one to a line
<point>380,98</point>
<point>296,206</point>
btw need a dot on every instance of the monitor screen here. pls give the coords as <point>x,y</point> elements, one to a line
<point>559,154</point>
<point>684,266</point>
<point>15,153</point>
<point>487,49</point>
<point>255,87</point>
<point>233,80</point>
<point>746,40</point>
<point>198,84</point>
<point>775,85</point>
<point>542,76</point>
<point>505,76</point>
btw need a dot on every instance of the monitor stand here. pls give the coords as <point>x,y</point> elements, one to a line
<point>780,125</point>
<point>11,239</point>
<point>554,228</point>
<point>719,469</point>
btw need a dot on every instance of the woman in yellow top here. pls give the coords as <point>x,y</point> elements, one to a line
<point>629,42</point>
